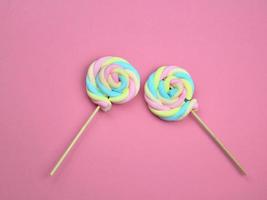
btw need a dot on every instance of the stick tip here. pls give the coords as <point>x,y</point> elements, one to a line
<point>52,173</point>
<point>243,172</point>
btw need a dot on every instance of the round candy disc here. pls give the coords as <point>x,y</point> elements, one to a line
<point>111,80</point>
<point>168,93</point>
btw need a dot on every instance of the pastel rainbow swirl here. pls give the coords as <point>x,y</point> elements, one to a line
<point>111,80</point>
<point>168,93</point>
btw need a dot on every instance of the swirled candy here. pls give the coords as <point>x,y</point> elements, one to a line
<point>111,80</point>
<point>169,93</point>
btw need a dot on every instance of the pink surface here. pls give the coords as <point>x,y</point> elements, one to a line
<point>127,153</point>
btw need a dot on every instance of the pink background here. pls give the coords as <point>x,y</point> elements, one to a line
<point>46,47</point>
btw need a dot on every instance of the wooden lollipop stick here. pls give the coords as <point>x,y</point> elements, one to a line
<point>73,142</point>
<point>218,142</point>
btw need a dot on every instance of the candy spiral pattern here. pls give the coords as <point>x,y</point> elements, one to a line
<point>111,80</point>
<point>168,93</point>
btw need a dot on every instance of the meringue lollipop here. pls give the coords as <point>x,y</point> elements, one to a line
<point>109,80</point>
<point>169,95</point>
